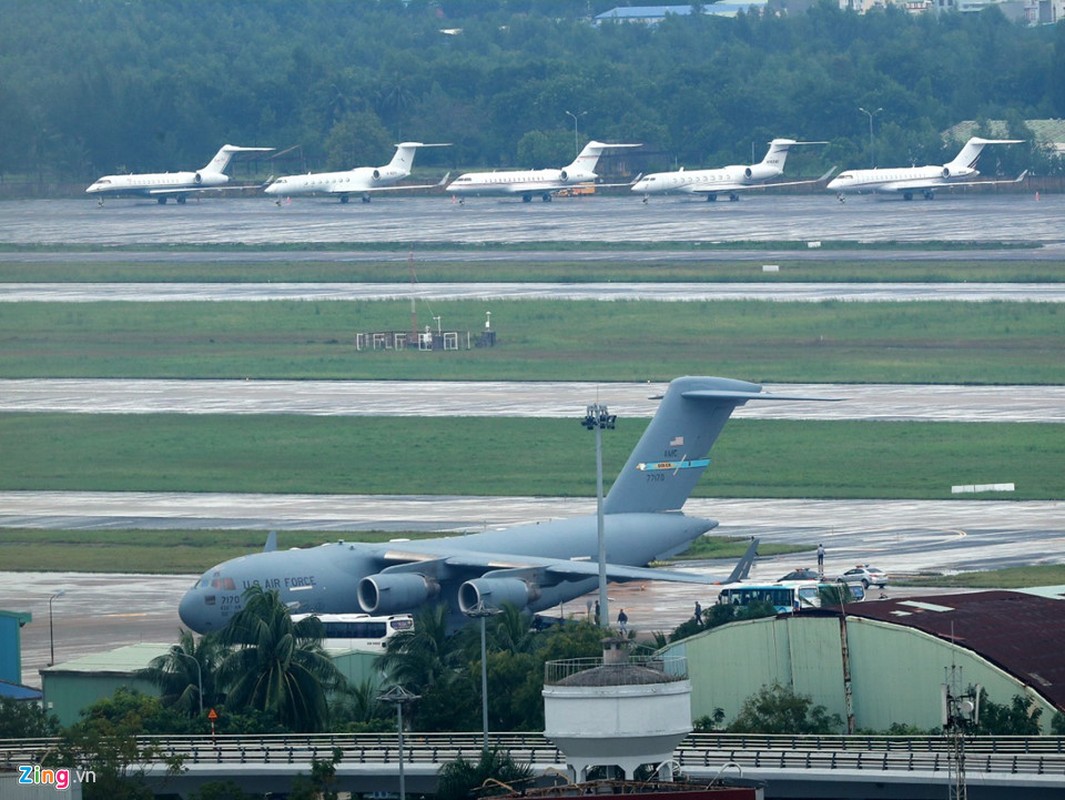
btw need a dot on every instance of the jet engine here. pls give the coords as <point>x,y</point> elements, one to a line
<point>197,179</point>
<point>760,172</point>
<point>563,175</point>
<point>376,174</point>
<point>390,593</point>
<point>946,172</point>
<point>495,592</point>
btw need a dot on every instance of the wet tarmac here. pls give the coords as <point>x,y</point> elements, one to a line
<point>959,216</point>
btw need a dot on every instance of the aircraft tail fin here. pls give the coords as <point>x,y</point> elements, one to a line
<point>221,158</point>
<point>405,151</point>
<point>971,150</point>
<point>778,150</point>
<point>671,456</point>
<point>271,542</point>
<point>743,566</point>
<point>588,159</point>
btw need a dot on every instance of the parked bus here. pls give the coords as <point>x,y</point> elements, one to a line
<point>359,631</point>
<point>785,597</point>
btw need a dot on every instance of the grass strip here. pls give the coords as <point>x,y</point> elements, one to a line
<point>832,341</point>
<point>501,456</point>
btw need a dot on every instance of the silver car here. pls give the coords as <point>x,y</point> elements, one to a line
<point>865,575</point>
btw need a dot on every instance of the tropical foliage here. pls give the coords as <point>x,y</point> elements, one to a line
<point>277,664</point>
<point>147,85</point>
<point>778,709</point>
<point>184,669</point>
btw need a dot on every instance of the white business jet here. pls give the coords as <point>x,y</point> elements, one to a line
<point>529,182</point>
<point>163,185</point>
<point>729,180</point>
<point>361,180</point>
<point>909,180</point>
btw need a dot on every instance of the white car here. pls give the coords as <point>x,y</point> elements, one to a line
<point>865,575</point>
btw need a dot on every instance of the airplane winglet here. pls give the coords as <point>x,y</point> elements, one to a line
<point>271,542</point>
<point>827,175</point>
<point>443,181</point>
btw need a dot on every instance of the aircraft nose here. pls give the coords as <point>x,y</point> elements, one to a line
<point>193,611</point>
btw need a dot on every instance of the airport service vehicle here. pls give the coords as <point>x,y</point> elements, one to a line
<point>865,575</point>
<point>801,574</point>
<point>785,597</point>
<point>360,631</point>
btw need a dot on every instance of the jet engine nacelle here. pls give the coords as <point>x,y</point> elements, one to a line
<point>376,174</point>
<point>946,172</point>
<point>197,178</point>
<point>494,592</point>
<point>760,172</point>
<point>390,593</point>
<point>576,177</point>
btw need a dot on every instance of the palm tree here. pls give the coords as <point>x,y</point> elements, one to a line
<point>278,665</point>
<point>422,656</point>
<point>184,669</point>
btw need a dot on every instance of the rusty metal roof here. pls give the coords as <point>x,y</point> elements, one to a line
<point>1019,633</point>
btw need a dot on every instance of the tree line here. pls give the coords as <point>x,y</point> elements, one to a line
<point>100,86</point>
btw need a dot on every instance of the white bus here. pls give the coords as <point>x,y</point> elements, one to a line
<point>359,631</point>
<point>785,596</point>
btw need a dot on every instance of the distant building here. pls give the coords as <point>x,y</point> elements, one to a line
<point>652,15</point>
<point>884,661</point>
<point>11,623</point>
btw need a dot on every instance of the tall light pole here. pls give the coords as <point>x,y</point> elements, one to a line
<point>51,628</point>
<point>597,418</point>
<point>483,612</point>
<point>872,148</point>
<point>576,143</point>
<point>177,651</point>
<point>399,696</point>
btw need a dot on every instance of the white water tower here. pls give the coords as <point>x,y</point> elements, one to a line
<point>618,711</point>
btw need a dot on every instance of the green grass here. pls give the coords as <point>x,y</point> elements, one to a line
<point>500,456</point>
<point>515,270</point>
<point>995,342</point>
<point>1008,578</point>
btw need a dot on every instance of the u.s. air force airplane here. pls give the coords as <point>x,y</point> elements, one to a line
<point>909,180</point>
<point>534,566</point>
<point>529,182</point>
<point>729,180</point>
<point>360,180</point>
<point>163,185</point>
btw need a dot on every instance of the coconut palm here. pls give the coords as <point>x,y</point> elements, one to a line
<point>184,669</point>
<point>278,665</point>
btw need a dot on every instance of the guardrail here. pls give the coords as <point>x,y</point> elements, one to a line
<point>1043,755</point>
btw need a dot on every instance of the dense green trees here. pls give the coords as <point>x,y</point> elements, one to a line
<point>101,86</point>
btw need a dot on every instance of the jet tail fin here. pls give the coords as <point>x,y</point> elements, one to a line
<point>743,566</point>
<point>271,542</point>
<point>588,159</point>
<point>404,156</point>
<point>971,150</point>
<point>222,157</point>
<point>670,457</point>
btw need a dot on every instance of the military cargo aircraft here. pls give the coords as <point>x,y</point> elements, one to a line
<point>534,566</point>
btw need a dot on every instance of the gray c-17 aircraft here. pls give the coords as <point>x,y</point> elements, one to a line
<point>534,566</point>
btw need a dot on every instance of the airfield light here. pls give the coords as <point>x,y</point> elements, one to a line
<point>597,418</point>
<point>398,695</point>
<point>51,629</point>
<point>576,141</point>
<point>483,612</point>
<point>872,148</point>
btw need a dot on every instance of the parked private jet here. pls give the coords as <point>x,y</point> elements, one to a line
<point>361,180</point>
<point>163,185</point>
<point>529,182</point>
<point>909,180</point>
<point>725,180</point>
<point>534,566</point>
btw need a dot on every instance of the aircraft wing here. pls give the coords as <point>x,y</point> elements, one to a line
<point>940,183</point>
<point>719,188</point>
<point>399,187</point>
<point>561,569</point>
<point>191,189</point>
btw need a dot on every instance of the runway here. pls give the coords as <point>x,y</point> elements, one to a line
<point>883,402</point>
<point>958,216</point>
<point>605,292</point>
